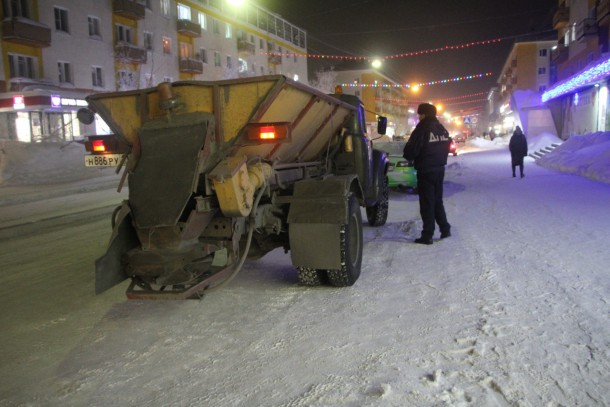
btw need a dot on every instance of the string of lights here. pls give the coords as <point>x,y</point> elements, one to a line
<point>437,82</point>
<point>387,57</point>
<point>412,101</point>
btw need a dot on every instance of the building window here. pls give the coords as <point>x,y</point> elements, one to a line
<point>261,44</point>
<point>216,59</point>
<point>203,55</point>
<point>165,8</point>
<point>229,62</point>
<point>186,50</point>
<point>167,45</point>
<point>21,66</point>
<point>94,27</point>
<point>228,31</point>
<point>203,21</point>
<point>65,72</point>
<point>541,71</point>
<point>61,19</point>
<point>184,12</point>
<point>16,8</point>
<point>215,26</point>
<point>541,88</point>
<point>542,52</point>
<point>148,40</point>
<point>96,76</point>
<point>123,33</point>
<point>127,80</point>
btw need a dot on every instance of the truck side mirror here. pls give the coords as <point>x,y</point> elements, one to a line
<point>382,124</point>
<point>85,115</point>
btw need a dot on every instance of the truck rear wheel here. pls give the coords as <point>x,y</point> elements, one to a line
<point>378,214</point>
<point>351,248</point>
<point>311,277</point>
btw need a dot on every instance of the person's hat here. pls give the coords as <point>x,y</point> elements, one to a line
<point>426,109</point>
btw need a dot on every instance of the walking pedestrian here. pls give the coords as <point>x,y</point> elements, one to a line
<point>518,150</point>
<point>428,148</point>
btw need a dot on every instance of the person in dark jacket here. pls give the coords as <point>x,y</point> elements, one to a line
<point>428,148</point>
<point>518,150</point>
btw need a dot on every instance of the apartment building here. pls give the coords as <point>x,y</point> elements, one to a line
<point>578,95</point>
<point>56,53</point>
<point>381,95</point>
<point>516,100</point>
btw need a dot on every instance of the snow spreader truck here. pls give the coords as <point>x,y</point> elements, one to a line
<point>224,171</point>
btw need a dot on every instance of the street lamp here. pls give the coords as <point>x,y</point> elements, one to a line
<point>376,63</point>
<point>236,3</point>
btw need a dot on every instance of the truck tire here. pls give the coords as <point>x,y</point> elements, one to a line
<point>378,214</point>
<point>351,248</point>
<point>311,277</point>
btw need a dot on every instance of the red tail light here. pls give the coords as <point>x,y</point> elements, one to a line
<point>98,146</point>
<point>268,132</point>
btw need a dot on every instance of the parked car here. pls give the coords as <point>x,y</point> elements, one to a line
<point>459,138</point>
<point>401,173</point>
<point>453,148</point>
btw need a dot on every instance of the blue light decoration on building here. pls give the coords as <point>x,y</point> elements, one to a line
<point>585,78</point>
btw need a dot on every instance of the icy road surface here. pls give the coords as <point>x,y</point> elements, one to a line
<point>512,310</point>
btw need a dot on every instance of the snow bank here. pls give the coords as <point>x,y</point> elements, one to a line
<point>587,155</point>
<point>42,163</point>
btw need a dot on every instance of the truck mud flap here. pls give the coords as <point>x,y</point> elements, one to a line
<point>109,270</point>
<point>318,210</point>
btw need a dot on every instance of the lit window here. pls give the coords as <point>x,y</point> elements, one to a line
<point>229,31</point>
<point>167,45</point>
<point>203,21</point>
<point>184,12</point>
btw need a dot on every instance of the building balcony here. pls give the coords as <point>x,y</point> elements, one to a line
<point>603,13</point>
<point>189,28</point>
<point>560,54</point>
<point>561,18</point>
<point>128,9</point>
<point>585,28</point>
<point>246,47</point>
<point>189,65</point>
<point>27,32</point>
<point>275,59</point>
<point>129,53</point>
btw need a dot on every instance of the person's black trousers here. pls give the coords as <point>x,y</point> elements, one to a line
<point>431,208</point>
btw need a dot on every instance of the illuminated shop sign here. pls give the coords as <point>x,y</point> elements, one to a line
<point>73,102</point>
<point>18,102</point>
<point>55,101</point>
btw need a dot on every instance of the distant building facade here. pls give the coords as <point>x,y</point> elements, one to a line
<point>516,100</point>
<point>578,95</point>
<point>56,53</point>
<point>381,95</point>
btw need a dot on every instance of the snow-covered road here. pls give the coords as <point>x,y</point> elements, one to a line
<point>512,310</point>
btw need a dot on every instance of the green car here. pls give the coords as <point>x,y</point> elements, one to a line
<point>401,173</point>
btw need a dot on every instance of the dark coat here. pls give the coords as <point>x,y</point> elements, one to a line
<point>428,145</point>
<point>518,145</point>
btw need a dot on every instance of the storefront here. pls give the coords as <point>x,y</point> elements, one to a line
<point>44,116</point>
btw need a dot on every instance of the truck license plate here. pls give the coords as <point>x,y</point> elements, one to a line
<point>105,160</point>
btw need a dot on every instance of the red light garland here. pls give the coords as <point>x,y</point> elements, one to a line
<point>387,57</point>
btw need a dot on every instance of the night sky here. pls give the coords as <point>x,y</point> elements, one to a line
<point>390,27</point>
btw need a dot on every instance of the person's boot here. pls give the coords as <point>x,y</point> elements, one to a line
<point>445,235</point>
<point>424,240</point>
<point>522,175</point>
